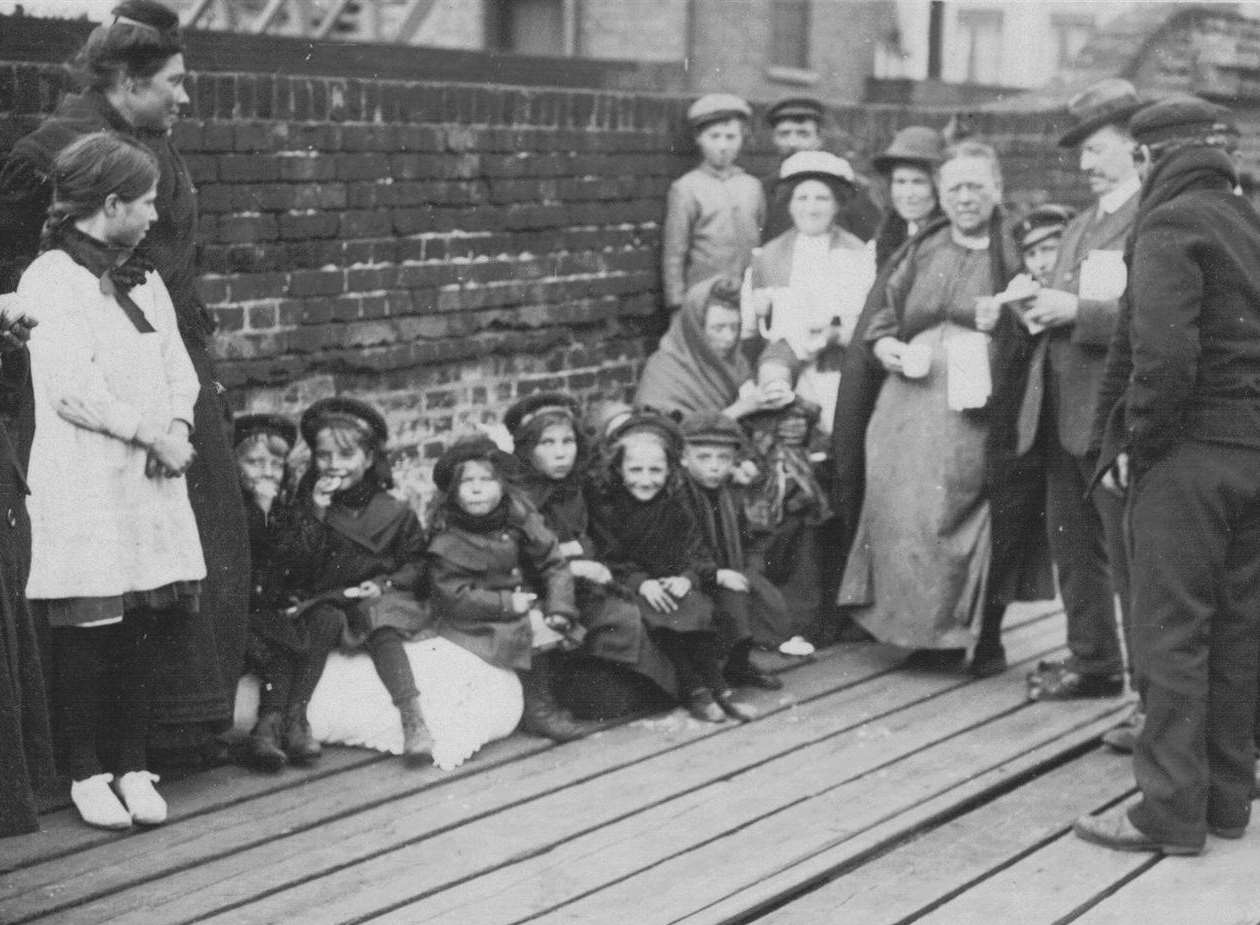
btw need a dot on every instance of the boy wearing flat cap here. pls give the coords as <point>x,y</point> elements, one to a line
<point>714,213</point>
<point>1077,308</point>
<point>796,125</point>
<point>1183,441</point>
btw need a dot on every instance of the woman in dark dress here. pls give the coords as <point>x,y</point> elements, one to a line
<point>133,71</point>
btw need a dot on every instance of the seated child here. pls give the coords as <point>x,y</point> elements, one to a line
<point>490,557</point>
<point>785,506</point>
<point>647,535</point>
<point>551,447</point>
<point>714,442</point>
<point>352,559</point>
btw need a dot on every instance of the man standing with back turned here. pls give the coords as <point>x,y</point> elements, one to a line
<point>1185,440</point>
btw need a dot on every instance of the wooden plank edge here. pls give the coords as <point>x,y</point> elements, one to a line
<point>747,904</point>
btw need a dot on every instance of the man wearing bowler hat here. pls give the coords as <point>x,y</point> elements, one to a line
<point>1184,440</point>
<point>1078,308</point>
<point>796,125</point>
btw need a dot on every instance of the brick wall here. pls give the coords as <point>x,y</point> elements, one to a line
<point>442,249</point>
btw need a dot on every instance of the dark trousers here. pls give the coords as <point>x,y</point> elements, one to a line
<point>1195,526</point>
<point>697,659</point>
<point>1087,542</point>
<point>102,694</point>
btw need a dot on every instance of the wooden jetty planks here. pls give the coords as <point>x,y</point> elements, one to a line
<point>914,876</point>
<point>426,863</point>
<point>1219,887</point>
<point>670,889</point>
<point>235,876</point>
<point>1050,885</point>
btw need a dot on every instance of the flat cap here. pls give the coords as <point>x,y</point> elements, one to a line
<point>1181,117</point>
<point>1043,222</point>
<point>795,107</point>
<point>712,427</point>
<point>1108,102</point>
<point>343,408</point>
<point>247,425</point>
<point>717,107</point>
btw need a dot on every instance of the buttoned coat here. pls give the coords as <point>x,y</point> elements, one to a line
<point>1077,353</point>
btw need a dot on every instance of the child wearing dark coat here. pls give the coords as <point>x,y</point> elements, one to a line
<point>743,595</point>
<point>646,532</point>
<point>490,560</point>
<point>550,445</point>
<point>351,558</point>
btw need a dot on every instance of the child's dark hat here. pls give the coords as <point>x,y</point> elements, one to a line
<point>530,407</point>
<point>646,420</point>
<point>247,425</point>
<point>712,427</point>
<point>465,449</point>
<point>795,107</point>
<point>343,408</point>
<point>1041,223</point>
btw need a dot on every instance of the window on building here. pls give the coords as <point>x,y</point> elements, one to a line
<point>980,45</point>
<point>1071,33</point>
<point>789,33</point>
<point>526,27</point>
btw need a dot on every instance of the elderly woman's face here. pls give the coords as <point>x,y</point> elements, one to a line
<point>911,191</point>
<point>721,328</point>
<point>813,207</point>
<point>969,193</point>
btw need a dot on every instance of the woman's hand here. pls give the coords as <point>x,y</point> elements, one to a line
<point>171,453</point>
<point>678,586</point>
<point>595,572</point>
<point>558,622</point>
<point>658,598</point>
<point>731,580</point>
<point>988,310</point>
<point>15,324</point>
<point>572,549</point>
<point>522,601</point>
<point>888,351</point>
<point>322,490</point>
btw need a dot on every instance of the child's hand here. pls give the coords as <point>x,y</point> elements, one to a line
<point>15,324</point>
<point>369,590</point>
<point>775,395</point>
<point>522,601</point>
<point>987,311</point>
<point>745,473</point>
<point>595,572</point>
<point>677,585</point>
<point>572,549</point>
<point>558,622</point>
<point>654,593</point>
<point>731,580</point>
<point>322,492</point>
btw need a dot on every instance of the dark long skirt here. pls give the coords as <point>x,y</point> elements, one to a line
<point>201,659</point>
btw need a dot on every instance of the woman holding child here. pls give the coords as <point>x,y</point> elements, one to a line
<point>937,549</point>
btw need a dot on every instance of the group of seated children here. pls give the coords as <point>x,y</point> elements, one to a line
<point>603,567</point>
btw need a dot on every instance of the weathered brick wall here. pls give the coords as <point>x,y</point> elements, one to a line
<point>442,249</point>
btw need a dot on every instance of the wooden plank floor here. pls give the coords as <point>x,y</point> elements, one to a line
<point>861,793</point>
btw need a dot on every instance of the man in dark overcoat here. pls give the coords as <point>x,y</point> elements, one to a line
<point>1078,308</point>
<point>1185,440</point>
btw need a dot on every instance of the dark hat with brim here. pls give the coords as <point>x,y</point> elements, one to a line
<point>530,407</point>
<point>1113,101</point>
<point>916,145</point>
<point>343,408</point>
<point>1181,118</point>
<point>477,447</point>
<point>245,426</point>
<point>796,107</point>
<point>712,427</point>
<point>1041,223</point>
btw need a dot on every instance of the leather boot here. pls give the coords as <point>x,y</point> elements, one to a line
<point>299,744</point>
<point>263,750</point>
<point>542,715</point>
<point>417,743</point>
